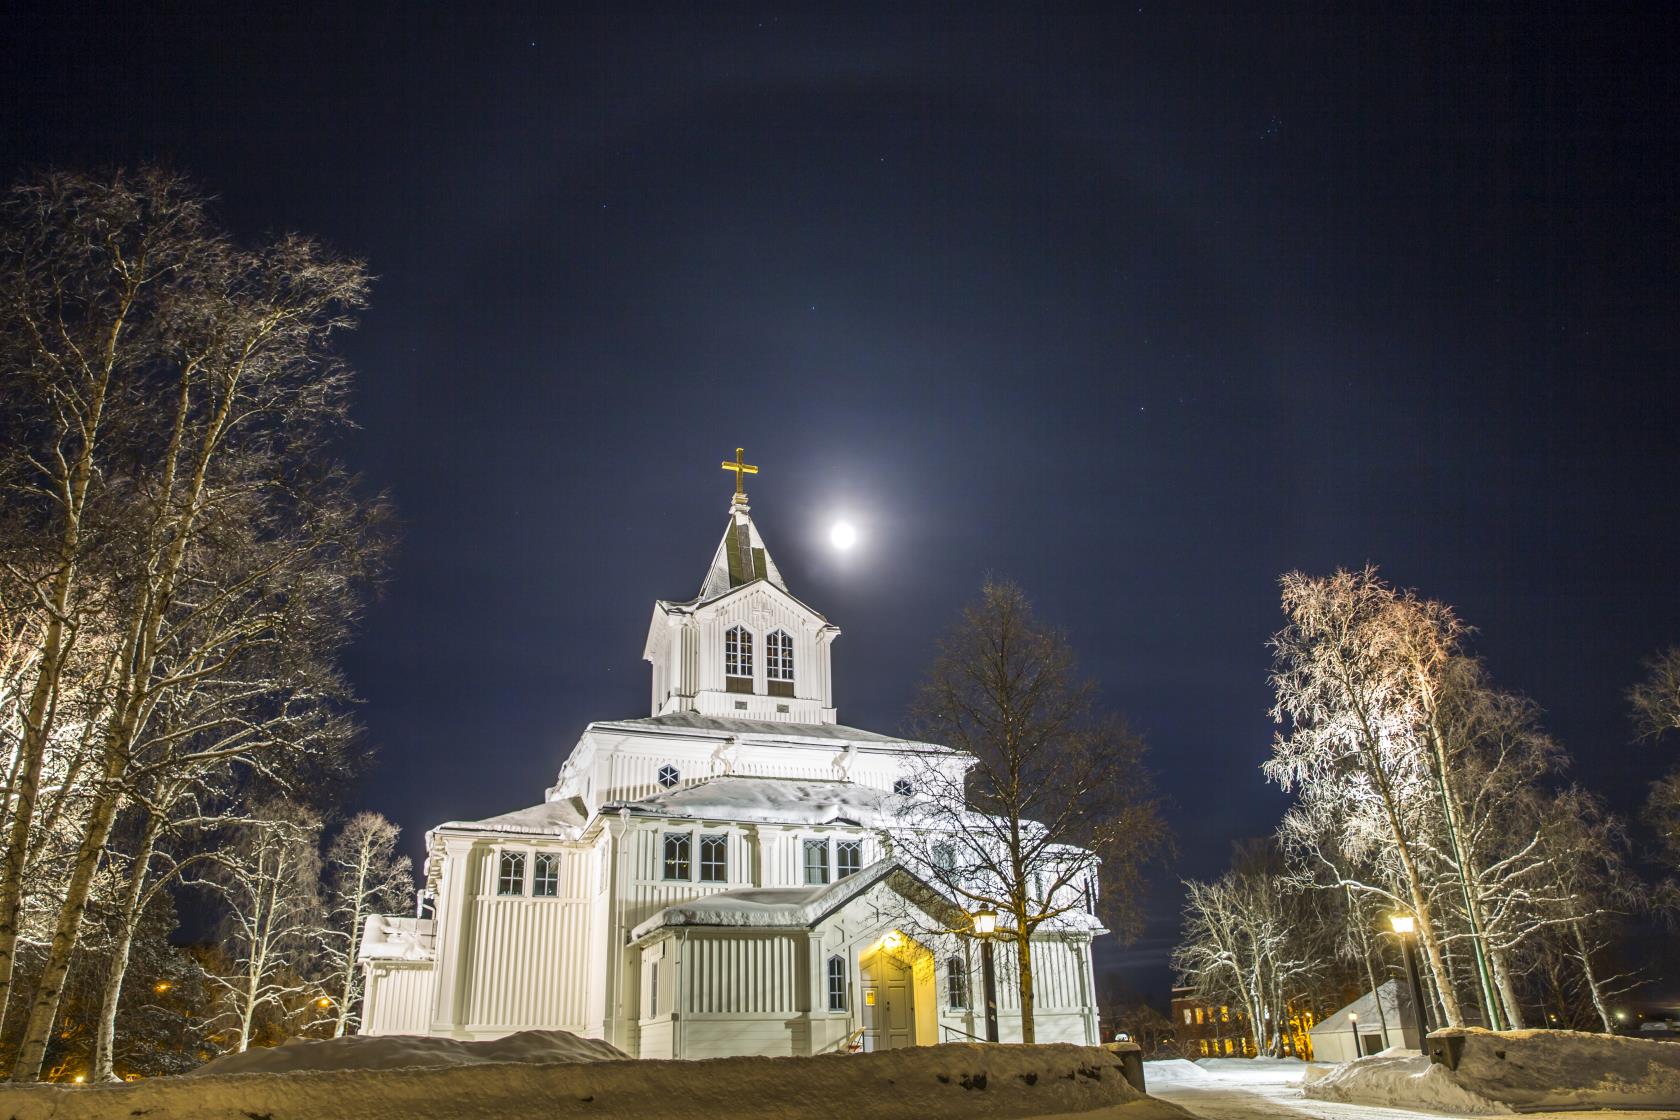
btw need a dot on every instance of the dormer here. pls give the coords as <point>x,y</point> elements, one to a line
<point>744,647</point>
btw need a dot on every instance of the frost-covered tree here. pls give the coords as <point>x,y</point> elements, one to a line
<point>1058,795</point>
<point>365,875</point>
<point>170,487</point>
<point>269,884</point>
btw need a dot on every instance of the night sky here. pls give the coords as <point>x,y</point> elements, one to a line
<point>1140,306</point>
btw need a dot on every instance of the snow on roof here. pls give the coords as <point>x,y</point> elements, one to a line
<point>790,907</point>
<point>769,729</point>
<point>773,801</point>
<point>551,818</point>
<point>1370,1015</point>
<point>388,938</point>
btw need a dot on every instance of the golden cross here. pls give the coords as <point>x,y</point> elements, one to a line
<point>741,469</point>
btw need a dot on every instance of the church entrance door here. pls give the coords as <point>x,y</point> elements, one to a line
<point>889,1008</point>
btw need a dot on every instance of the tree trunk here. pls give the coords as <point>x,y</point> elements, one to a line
<point>1023,967</point>
<point>50,987</point>
<point>1591,978</point>
<point>104,1044</point>
<point>1507,990</point>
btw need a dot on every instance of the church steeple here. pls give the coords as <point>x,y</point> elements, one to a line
<point>744,647</point>
<point>741,556</point>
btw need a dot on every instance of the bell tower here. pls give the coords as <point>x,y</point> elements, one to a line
<point>744,647</point>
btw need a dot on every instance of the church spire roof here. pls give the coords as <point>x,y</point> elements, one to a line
<point>741,556</point>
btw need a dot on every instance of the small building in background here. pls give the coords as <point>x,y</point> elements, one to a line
<point>1369,1025</point>
<point>1206,1029</point>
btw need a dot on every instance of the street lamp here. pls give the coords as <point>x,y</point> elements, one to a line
<point>985,924</point>
<point>1405,928</point>
<point>1353,1026</point>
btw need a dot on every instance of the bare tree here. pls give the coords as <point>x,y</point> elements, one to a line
<point>1057,795</point>
<point>229,547</point>
<point>1656,698</point>
<point>269,880</point>
<point>365,876</point>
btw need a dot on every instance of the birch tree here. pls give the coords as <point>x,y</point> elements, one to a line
<point>365,875</point>
<point>269,882</point>
<point>1058,796</point>
<point>231,545</point>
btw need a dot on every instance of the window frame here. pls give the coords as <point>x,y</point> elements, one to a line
<point>685,860</point>
<point>855,847</point>
<point>704,866</point>
<point>675,775</point>
<point>738,663</point>
<point>503,857</point>
<point>903,787</point>
<point>550,860</point>
<point>778,656</point>
<point>805,849</point>
<point>837,985</point>
<point>956,983</point>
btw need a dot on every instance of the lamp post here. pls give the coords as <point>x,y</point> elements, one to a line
<point>1353,1027</point>
<point>985,924</point>
<point>1405,928</point>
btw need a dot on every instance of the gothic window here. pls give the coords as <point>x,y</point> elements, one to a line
<point>816,861</point>
<point>510,873</point>
<point>902,787</point>
<point>778,656</point>
<point>545,875</point>
<point>848,858</point>
<point>669,775</point>
<point>738,652</point>
<point>714,859</point>
<point>956,982</point>
<point>676,855</point>
<point>837,983</point>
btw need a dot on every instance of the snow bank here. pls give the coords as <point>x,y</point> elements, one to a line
<point>917,1083</point>
<point>412,1051</point>
<point>1400,1082</point>
<point>1555,1070</point>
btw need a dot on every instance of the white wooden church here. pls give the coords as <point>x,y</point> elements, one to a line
<point>716,878</point>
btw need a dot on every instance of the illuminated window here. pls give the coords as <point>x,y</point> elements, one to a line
<point>1227,1046</point>
<point>1187,1016</point>
<point>737,652</point>
<point>1198,1016</point>
<point>510,873</point>
<point>676,855</point>
<point>778,656</point>
<point>669,775</point>
<point>1204,1047</point>
<point>816,861</point>
<point>837,983</point>
<point>714,859</point>
<point>956,982</point>
<point>848,858</point>
<point>1224,1014</point>
<point>545,875</point>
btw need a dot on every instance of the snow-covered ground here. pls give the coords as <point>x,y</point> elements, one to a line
<point>1269,1089</point>
<point>1056,1082</point>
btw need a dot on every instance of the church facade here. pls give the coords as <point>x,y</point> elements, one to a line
<point>718,877</point>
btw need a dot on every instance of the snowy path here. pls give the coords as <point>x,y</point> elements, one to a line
<point>1266,1091</point>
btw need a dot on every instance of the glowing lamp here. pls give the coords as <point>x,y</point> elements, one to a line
<point>162,986</point>
<point>985,922</point>
<point>1402,924</point>
<point>323,1002</point>
<point>892,939</point>
<point>1353,1017</point>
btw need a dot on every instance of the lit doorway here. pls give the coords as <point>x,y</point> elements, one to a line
<point>889,995</point>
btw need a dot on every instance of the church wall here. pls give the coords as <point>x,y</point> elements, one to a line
<point>399,998</point>
<point>525,954</point>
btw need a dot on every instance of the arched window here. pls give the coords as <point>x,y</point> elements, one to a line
<point>778,662</point>
<point>738,659</point>
<point>837,983</point>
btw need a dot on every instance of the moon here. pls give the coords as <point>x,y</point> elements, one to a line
<point>843,535</point>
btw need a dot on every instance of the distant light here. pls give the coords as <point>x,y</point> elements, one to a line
<point>80,1078</point>
<point>1402,923</point>
<point>323,1002</point>
<point>843,536</point>
<point>162,986</point>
